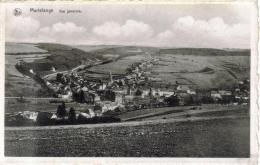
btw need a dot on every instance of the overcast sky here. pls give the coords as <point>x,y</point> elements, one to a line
<point>216,26</point>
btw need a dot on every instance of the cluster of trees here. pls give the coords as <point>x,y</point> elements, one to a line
<point>83,97</point>
<point>177,100</point>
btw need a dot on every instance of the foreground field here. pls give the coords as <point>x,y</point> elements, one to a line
<point>207,137</point>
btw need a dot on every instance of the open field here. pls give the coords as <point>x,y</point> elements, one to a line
<point>182,111</point>
<point>89,48</point>
<point>188,112</point>
<point>22,48</point>
<point>205,51</point>
<point>119,66</point>
<point>219,137</point>
<point>202,72</point>
<point>16,84</point>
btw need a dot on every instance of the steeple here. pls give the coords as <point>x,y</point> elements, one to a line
<point>110,77</point>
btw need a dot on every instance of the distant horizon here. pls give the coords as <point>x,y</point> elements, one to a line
<point>161,47</point>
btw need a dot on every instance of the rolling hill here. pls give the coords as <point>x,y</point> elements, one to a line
<point>206,51</point>
<point>199,67</point>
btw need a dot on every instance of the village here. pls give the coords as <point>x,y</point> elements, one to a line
<point>137,89</point>
<point>137,86</point>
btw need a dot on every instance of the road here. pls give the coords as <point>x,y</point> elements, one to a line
<point>63,72</point>
<point>30,98</point>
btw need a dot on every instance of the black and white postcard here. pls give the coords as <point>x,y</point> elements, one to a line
<point>129,80</point>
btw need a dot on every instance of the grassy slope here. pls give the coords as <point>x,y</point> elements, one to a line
<point>22,48</point>
<point>227,66</point>
<point>185,112</point>
<point>15,83</point>
<point>212,138</point>
<point>205,52</point>
<point>65,57</point>
<point>202,71</point>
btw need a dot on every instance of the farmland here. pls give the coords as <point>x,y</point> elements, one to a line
<point>184,112</point>
<point>119,66</point>
<point>22,48</point>
<point>17,84</point>
<point>202,71</point>
<point>161,138</point>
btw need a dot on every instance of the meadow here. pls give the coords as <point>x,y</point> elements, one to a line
<point>17,84</point>
<point>17,48</point>
<point>202,72</point>
<point>143,139</point>
<point>119,66</point>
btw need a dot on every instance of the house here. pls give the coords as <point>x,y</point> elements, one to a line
<point>215,94</point>
<point>107,106</point>
<point>166,93</point>
<point>121,91</point>
<point>30,115</point>
<point>119,98</point>
<point>97,98</point>
<point>31,71</point>
<point>53,69</point>
<point>145,93</point>
<point>224,92</point>
<point>182,87</point>
<point>192,92</point>
<point>68,95</point>
<point>128,98</point>
<point>84,89</point>
<point>102,86</point>
<point>222,96</point>
<point>90,112</point>
<point>237,90</point>
<point>185,98</point>
<point>154,79</point>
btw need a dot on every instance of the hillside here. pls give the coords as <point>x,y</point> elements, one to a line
<point>202,68</point>
<point>220,137</point>
<point>22,48</point>
<point>203,72</point>
<point>64,57</point>
<point>206,51</point>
